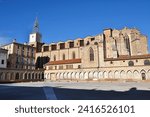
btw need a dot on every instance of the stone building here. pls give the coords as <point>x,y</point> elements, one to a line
<point>3,58</point>
<point>20,56</point>
<point>114,54</point>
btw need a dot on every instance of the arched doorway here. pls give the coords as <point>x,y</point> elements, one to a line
<point>17,76</point>
<point>143,76</point>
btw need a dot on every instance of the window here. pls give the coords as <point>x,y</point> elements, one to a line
<point>69,66</point>
<point>54,57</point>
<point>147,62</point>
<point>73,55</point>
<point>131,63</point>
<point>62,45</point>
<point>71,45</point>
<point>79,66</point>
<point>81,43</point>
<point>2,62</point>
<point>111,62</point>
<point>91,54</point>
<point>53,47</point>
<point>46,48</point>
<point>92,39</point>
<point>61,67</point>
<point>63,57</point>
<point>87,43</point>
<point>95,43</point>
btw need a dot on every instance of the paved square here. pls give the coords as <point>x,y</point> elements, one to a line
<point>75,91</point>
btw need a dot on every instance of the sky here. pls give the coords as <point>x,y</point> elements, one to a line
<point>61,20</point>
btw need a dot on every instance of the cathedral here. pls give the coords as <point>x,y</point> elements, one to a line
<point>113,54</point>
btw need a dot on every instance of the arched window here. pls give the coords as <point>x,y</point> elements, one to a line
<point>63,56</point>
<point>91,54</point>
<point>131,63</point>
<point>54,57</point>
<point>73,55</point>
<point>147,62</point>
<point>87,43</point>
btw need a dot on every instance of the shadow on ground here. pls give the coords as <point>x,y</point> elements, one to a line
<point>21,93</point>
<point>78,94</point>
<point>37,93</point>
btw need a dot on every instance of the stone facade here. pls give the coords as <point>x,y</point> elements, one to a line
<point>20,56</point>
<point>3,58</point>
<point>114,54</point>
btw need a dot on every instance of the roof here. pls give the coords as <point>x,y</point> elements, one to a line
<point>69,61</point>
<point>126,57</point>
<point>3,50</point>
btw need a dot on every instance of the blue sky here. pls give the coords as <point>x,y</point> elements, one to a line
<point>61,20</point>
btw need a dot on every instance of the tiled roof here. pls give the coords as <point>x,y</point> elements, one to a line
<point>126,57</point>
<point>69,61</point>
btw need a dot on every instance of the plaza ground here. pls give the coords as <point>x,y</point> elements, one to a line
<point>75,91</point>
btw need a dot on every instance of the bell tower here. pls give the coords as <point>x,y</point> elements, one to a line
<point>35,38</point>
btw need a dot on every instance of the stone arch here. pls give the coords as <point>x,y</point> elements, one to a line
<point>116,74</point>
<point>136,74</point>
<point>91,75</point>
<point>7,76</point>
<point>81,75</point>
<point>110,74</point>
<point>105,74</point>
<point>73,75</point>
<point>69,75</point>
<point>65,75</point>
<point>143,74</point>
<point>17,76</point>
<point>122,74</point>
<point>32,77</point>
<point>11,76</point>
<point>29,76</point>
<point>100,75</point>
<point>57,76</point>
<point>61,75</point>
<point>148,74</point>
<point>77,75</point>
<point>42,75</point>
<point>48,76</point>
<point>129,74</point>
<point>36,76</point>
<point>86,75</point>
<point>95,75</point>
<point>1,76</point>
<point>39,76</point>
<point>21,75</point>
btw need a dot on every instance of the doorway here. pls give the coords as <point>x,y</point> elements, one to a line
<point>143,76</point>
